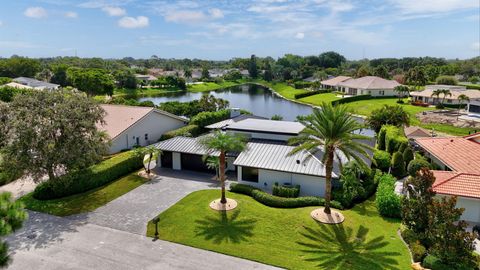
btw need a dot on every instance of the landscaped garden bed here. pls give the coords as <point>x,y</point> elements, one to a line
<point>287,238</point>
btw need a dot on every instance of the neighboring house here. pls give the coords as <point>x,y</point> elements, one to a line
<point>311,79</point>
<point>368,85</point>
<point>459,161</point>
<point>128,126</point>
<point>146,79</point>
<point>235,116</point>
<point>414,132</point>
<point>264,162</point>
<point>332,83</point>
<point>473,107</point>
<point>425,96</point>
<point>36,84</point>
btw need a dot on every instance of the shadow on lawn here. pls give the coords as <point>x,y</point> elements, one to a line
<point>225,227</point>
<point>337,247</point>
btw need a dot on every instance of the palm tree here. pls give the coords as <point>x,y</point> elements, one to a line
<point>461,99</point>
<point>330,130</point>
<point>401,90</point>
<point>445,93</point>
<point>213,163</point>
<point>223,142</point>
<point>437,93</point>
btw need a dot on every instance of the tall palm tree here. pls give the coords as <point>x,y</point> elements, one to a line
<point>401,90</point>
<point>445,93</point>
<point>330,130</point>
<point>223,142</point>
<point>461,99</point>
<point>437,93</point>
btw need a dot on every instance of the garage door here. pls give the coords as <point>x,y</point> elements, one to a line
<point>166,159</point>
<point>472,209</point>
<point>194,163</point>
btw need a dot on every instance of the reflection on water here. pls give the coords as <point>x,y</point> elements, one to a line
<point>253,98</point>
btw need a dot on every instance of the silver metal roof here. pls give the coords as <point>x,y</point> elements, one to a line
<point>267,126</point>
<point>275,157</point>
<point>230,121</point>
<point>185,145</point>
<point>35,83</point>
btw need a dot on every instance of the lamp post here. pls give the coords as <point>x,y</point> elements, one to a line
<point>155,221</point>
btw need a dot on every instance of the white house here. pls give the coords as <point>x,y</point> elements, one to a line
<point>34,84</point>
<point>265,161</point>
<point>426,96</point>
<point>459,161</point>
<point>128,126</point>
<point>332,83</point>
<point>368,85</point>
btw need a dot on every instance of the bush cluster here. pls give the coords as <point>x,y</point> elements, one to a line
<point>311,93</point>
<point>472,86</point>
<point>90,178</point>
<point>387,201</point>
<point>351,99</point>
<point>398,165</point>
<point>393,138</point>
<point>286,191</point>
<point>381,160</point>
<point>279,202</point>
<point>302,85</point>
<point>415,165</point>
<point>187,131</point>
<point>207,118</point>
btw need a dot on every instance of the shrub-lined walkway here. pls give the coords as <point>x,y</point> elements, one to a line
<point>287,238</point>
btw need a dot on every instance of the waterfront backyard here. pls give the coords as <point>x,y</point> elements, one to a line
<point>287,238</point>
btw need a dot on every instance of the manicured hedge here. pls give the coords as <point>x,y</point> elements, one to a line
<point>207,118</point>
<point>381,160</point>
<point>357,98</point>
<point>387,201</point>
<point>415,165</point>
<point>187,131</point>
<point>93,177</point>
<point>393,138</point>
<point>302,85</point>
<point>279,202</point>
<point>286,191</point>
<point>472,86</point>
<point>311,93</point>
<point>398,165</point>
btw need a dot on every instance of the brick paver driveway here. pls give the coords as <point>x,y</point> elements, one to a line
<point>132,211</point>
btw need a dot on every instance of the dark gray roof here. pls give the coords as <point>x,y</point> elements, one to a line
<point>185,145</point>
<point>35,83</point>
<point>267,126</point>
<point>232,120</point>
<point>275,157</point>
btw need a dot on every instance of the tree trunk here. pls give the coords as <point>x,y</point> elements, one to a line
<point>148,165</point>
<point>328,179</point>
<point>51,174</point>
<point>222,176</point>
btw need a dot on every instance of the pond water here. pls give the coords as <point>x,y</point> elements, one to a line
<point>253,98</point>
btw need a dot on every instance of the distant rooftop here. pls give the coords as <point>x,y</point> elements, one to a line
<point>267,126</point>
<point>232,120</point>
<point>35,83</point>
<point>457,184</point>
<point>335,80</point>
<point>370,82</point>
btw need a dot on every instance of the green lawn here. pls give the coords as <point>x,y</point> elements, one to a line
<point>283,89</point>
<point>287,238</point>
<point>87,201</point>
<point>211,86</point>
<point>318,99</point>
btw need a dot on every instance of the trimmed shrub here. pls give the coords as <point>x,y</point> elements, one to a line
<point>279,202</point>
<point>302,85</point>
<point>90,178</point>
<point>207,118</point>
<point>387,201</point>
<point>402,146</point>
<point>311,93</point>
<point>415,165</point>
<point>381,160</point>
<point>434,263</point>
<point>398,165</point>
<point>393,138</point>
<point>187,131</point>
<point>351,99</point>
<point>418,251</point>
<point>447,80</point>
<point>472,86</point>
<point>407,155</point>
<point>286,191</point>
<point>381,139</point>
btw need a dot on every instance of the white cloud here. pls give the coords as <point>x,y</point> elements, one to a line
<point>133,22</point>
<point>104,3</point>
<point>35,12</point>
<point>114,11</point>
<point>1,23</point>
<point>71,15</point>
<point>185,16</point>
<point>434,6</point>
<point>300,35</point>
<point>216,13</point>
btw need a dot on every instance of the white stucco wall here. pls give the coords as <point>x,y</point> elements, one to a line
<point>309,185</point>
<point>377,93</point>
<point>154,124</point>
<point>176,161</point>
<point>471,206</point>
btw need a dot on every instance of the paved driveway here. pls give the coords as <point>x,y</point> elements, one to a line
<point>132,211</point>
<point>49,243</point>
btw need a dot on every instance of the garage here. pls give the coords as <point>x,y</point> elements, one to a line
<point>166,159</point>
<point>194,163</point>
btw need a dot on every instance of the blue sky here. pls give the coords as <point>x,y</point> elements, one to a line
<point>224,29</point>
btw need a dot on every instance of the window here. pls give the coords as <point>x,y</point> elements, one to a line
<point>146,136</point>
<point>250,174</point>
